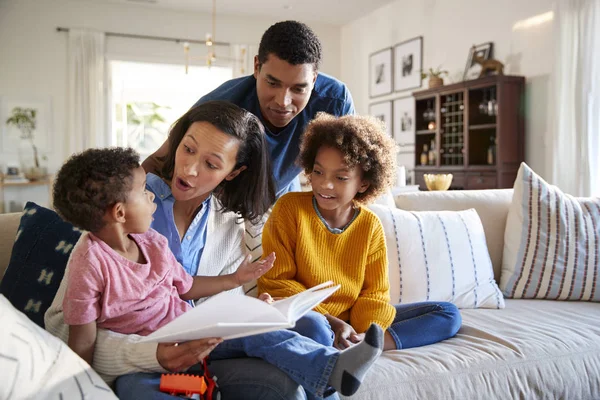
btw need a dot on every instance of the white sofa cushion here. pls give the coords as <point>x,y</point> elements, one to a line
<point>532,349</point>
<point>35,364</point>
<point>491,206</point>
<point>551,243</point>
<point>438,256</point>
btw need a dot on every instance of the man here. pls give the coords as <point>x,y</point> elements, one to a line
<point>286,92</point>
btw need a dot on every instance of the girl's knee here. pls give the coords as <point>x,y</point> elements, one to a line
<point>452,314</point>
<point>315,326</point>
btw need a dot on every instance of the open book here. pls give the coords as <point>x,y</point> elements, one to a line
<point>229,316</point>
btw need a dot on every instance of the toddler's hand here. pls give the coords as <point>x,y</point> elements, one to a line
<point>266,297</point>
<point>247,272</point>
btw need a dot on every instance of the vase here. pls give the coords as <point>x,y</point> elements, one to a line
<point>435,81</point>
<point>29,161</point>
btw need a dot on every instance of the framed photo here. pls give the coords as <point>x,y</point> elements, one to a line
<point>10,136</point>
<point>380,73</point>
<point>404,121</point>
<point>472,69</point>
<point>383,112</point>
<point>408,64</point>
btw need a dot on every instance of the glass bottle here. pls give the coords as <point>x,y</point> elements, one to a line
<point>431,155</point>
<point>491,152</point>
<point>424,155</point>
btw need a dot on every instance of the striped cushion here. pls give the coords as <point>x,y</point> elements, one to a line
<point>551,243</point>
<point>438,256</point>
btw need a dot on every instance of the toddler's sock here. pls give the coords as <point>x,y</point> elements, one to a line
<point>354,362</point>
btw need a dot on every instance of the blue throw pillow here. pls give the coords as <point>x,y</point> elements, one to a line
<point>38,261</point>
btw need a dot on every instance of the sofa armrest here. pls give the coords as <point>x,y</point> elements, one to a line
<point>8,229</point>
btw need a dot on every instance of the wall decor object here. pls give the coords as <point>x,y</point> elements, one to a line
<point>408,64</point>
<point>380,73</point>
<point>480,52</point>
<point>404,121</point>
<point>383,112</point>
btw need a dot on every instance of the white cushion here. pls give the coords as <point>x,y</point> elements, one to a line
<point>551,243</point>
<point>491,206</point>
<point>438,256</point>
<point>35,364</point>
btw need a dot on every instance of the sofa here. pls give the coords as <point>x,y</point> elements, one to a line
<point>531,349</point>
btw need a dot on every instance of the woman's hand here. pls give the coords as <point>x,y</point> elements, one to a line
<point>177,357</point>
<point>247,272</point>
<point>345,335</point>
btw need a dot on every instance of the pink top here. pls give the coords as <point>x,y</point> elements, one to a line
<point>121,295</point>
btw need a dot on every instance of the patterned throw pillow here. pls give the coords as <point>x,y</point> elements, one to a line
<point>37,365</point>
<point>438,256</point>
<point>551,243</point>
<point>38,261</point>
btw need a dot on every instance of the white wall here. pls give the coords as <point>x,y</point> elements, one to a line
<point>449,28</point>
<point>33,56</point>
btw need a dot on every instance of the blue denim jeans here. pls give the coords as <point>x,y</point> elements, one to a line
<point>305,361</point>
<point>415,325</point>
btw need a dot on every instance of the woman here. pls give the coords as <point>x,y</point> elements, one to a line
<point>216,171</point>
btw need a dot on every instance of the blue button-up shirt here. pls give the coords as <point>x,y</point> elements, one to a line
<point>187,251</point>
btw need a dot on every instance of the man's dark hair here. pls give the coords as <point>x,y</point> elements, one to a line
<point>291,41</point>
<point>91,182</point>
<point>252,192</point>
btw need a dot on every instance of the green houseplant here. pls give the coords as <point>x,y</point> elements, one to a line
<point>435,76</point>
<point>24,119</point>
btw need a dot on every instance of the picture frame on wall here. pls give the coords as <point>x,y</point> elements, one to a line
<point>404,121</point>
<point>472,69</point>
<point>383,112</point>
<point>408,64</point>
<point>380,73</point>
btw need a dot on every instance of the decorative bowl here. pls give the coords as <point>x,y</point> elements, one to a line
<point>438,181</point>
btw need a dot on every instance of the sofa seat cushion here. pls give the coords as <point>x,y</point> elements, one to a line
<point>530,349</point>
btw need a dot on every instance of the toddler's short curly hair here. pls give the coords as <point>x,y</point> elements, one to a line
<point>91,182</point>
<point>362,140</point>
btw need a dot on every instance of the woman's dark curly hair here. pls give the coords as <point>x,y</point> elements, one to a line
<point>362,141</point>
<point>291,41</point>
<point>252,192</point>
<point>91,182</point>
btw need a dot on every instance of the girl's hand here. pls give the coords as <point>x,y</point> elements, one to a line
<point>345,335</point>
<point>177,357</point>
<point>247,272</point>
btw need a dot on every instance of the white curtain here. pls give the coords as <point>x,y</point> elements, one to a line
<point>242,56</point>
<point>86,91</point>
<point>575,128</point>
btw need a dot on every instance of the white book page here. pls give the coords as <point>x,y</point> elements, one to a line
<point>232,314</point>
<point>294,307</point>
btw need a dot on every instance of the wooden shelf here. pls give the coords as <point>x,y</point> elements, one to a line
<point>30,183</point>
<point>476,134</point>
<point>482,126</point>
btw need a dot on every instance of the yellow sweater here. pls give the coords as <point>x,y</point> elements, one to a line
<point>309,254</point>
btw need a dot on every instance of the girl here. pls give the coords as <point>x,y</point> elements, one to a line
<point>329,234</point>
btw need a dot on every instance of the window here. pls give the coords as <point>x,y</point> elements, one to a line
<point>148,98</point>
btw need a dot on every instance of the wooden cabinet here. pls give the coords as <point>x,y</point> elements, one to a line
<point>474,130</point>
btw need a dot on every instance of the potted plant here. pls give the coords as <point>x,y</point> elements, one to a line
<point>435,76</point>
<point>24,119</point>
